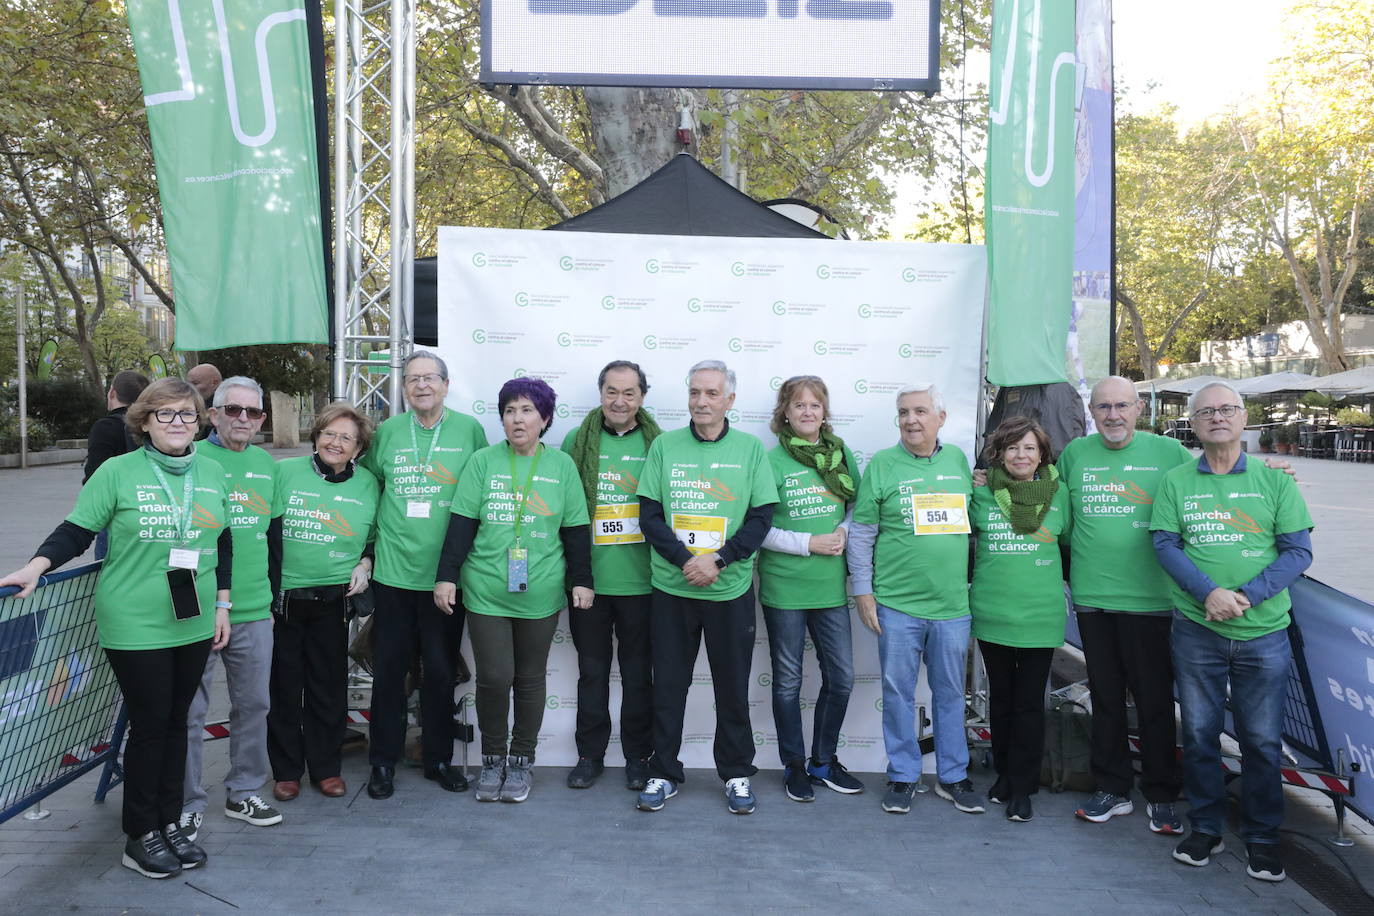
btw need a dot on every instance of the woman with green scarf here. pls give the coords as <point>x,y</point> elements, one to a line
<point>1017,599</point>
<point>801,583</point>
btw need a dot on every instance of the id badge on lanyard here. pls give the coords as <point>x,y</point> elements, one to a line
<point>518,557</point>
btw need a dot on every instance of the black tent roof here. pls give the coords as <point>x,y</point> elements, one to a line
<point>682,198</point>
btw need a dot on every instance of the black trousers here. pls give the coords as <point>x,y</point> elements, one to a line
<point>1016,712</point>
<point>627,618</point>
<point>676,627</point>
<point>309,690</point>
<point>511,655</point>
<point>158,686</point>
<point>405,618</point>
<point>1131,652</point>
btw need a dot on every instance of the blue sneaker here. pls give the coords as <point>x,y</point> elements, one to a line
<point>834,775</point>
<point>656,794</point>
<point>739,795</point>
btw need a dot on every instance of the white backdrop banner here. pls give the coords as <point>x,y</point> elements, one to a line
<point>868,317</point>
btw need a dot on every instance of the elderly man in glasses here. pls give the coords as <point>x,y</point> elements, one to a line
<point>249,472</point>
<point>1233,535</point>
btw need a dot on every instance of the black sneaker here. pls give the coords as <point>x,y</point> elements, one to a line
<point>150,856</point>
<point>1019,808</point>
<point>834,775</point>
<point>898,797</point>
<point>636,773</point>
<point>1263,862</point>
<point>797,783</point>
<point>1198,849</point>
<point>188,854</point>
<point>583,776</point>
<point>1000,792</point>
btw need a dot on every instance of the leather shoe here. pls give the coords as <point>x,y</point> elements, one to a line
<point>286,789</point>
<point>382,782</point>
<point>333,786</point>
<point>584,775</point>
<point>449,777</point>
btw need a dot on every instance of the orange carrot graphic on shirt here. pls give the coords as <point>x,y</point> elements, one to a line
<point>202,517</point>
<point>719,490</point>
<point>1238,520</point>
<point>440,474</point>
<point>535,503</point>
<point>1133,493</point>
<point>251,500</point>
<point>627,482</point>
<point>1042,535</point>
<point>335,522</point>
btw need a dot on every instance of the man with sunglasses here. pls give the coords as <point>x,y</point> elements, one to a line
<point>235,418</point>
<point>418,456</point>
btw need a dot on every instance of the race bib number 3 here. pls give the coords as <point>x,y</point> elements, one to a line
<point>616,525</point>
<point>700,533</point>
<point>940,513</point>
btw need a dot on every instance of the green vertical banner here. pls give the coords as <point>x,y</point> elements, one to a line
<point>1030,190</point>
<point>228,92</point>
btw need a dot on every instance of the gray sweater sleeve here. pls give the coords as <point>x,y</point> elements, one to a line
<point>859,553</point>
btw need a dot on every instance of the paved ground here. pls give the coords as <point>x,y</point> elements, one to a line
<point>566,851</point>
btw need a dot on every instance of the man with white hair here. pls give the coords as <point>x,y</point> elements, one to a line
<point>706,501</point>
<point>908,559</point>
<point>1233,535</point>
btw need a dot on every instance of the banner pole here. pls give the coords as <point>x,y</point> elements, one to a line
<point>342,273</point>
<point>23,380</point>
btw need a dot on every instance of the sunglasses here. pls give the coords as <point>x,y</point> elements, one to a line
<point>236,410</point>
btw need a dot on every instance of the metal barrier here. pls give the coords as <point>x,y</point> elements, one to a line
<point>61,712</point>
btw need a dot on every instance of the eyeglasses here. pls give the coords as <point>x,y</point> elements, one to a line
<point>1226,410</point>
<point>1118,406</point>
<point>236,410</point>
<point>167,415</point>
<point>331,435</point>
<point>430,379</point>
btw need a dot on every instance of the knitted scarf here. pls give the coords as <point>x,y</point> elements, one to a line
<point>826,456</point>
<point>586,448</point>
<point>175,465</point>
<point>1023,502</point>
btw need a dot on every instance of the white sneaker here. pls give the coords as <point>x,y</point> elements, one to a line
<point>189,824</point>
<point>253,810</point>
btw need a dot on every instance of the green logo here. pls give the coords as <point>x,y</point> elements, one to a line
<point>878,704</point>
<point>732,415</point>
<point>758,739</point>
<point>765,679</point>
<point>651,265</point>
<point>860,455</point>
<point>735,345</point>
<point>861,386</point>
<point>479,336</point>
<point>563,411</point>
<point>820,348</point>
<point>564,339</point>
<point>823,271</point>
<point>479,406</point>
<point>650,342</point>
<point>551,702</point>
<point>518,373</point>
<point>779,307</point>
<point>479,259</point>
<point>909,274</point>
<point>775,382</point>
<point>904,351</point>
<point>565,262</point>
<point>865,310</point>
<point>694,304</point>
<point>608,303</point>
<point>522,299</point>
<point>737,268</point>
<point>844,742</point>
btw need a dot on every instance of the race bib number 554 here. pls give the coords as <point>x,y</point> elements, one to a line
<point>940,513</point>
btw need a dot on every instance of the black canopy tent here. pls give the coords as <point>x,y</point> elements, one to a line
<point>682,198</point>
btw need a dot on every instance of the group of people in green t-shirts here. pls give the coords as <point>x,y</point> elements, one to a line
<point>651,539</point>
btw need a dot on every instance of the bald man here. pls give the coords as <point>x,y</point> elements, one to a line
<point>206,378</point>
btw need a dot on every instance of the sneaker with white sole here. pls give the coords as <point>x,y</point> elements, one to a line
<point>898,797</point>
<point>797,783</point>
<point>1197,849</point>
<point>490,779</point>
<point>253,810</point>
<point>519,778</point>
<point>189,824</point>
<point>739,795</point>
<point>964,796</point>
<point>1103,806</point>
<point>655,794</point>
<point>1163,819</point>
<point>834,775</point>
<point>1263,862</point>
<point>150,856</point>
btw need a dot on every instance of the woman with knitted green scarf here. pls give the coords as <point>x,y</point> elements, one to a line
<point>1017,599</point>
<point>802,583</point>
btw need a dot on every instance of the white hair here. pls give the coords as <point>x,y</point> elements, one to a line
<point>714,365</point>
<point>937,400</point>
<point>237,381</point>
<point>1192,398</point>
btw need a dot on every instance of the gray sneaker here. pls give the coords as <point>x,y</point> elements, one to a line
<point>519,778</point>
<point>963,795</point>
<point>492,775</point>
<point>189,824</point>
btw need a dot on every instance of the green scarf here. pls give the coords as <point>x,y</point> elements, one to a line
<point>1023,502</point>
<point>826,456</point>
<point>586,448</point>
<point>172,464</point>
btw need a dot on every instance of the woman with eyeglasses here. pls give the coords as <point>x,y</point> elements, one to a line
<point>161,602</point>
<point>318,559</point>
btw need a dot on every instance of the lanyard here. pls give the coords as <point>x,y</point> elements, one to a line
<point>181,515</point>
<point>520,495</point>
<point>415,444</point>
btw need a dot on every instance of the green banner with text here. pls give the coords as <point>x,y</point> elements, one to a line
<point>1030,190</point>
<point>228,92</point>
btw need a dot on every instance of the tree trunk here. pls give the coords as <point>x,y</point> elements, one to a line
<point>634,132</point>
<point>1144,352</point>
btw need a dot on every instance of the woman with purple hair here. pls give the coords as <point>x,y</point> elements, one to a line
<point>518,528</point>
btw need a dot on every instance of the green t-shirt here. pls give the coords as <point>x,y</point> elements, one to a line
<point>133,605</point>
<point>1229,524</point>
<point>804,504</point>
<point>1111,491</point>
<point>620,555</point>
<point>413,517</point>
<point>553,500</point>
<point>922,575</point>
<point>324,526</point>
<point>249,477</point>
<point>706,488</point>
<point>1017,598</point>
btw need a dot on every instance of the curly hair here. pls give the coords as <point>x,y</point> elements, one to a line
<point>1012,430</point>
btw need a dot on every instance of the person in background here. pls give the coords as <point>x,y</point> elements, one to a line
<point>109,436</point>
<point>206,377</point>
<point>801,584</point>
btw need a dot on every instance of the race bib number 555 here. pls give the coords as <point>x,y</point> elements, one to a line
<point>616,525</point>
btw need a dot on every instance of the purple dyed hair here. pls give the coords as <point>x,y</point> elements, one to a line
<point>537,391</point>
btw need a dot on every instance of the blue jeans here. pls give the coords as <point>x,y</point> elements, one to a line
<point>1257,671</point>
<point>944,643</point>
<point>834,653</point>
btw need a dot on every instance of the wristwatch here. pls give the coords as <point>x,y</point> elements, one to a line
<point>720,562</point>
<point>224,604</point>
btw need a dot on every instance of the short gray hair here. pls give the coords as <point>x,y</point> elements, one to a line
<point>937,399</point>
<point>1220,383</point>
<point>237,381</point>
<point>714,365</point>
<point>426,354</point>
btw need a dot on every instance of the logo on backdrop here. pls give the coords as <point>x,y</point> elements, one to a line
<point>479,336</point>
